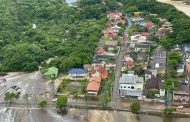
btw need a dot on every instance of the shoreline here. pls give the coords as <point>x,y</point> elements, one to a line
<point>179,5</point>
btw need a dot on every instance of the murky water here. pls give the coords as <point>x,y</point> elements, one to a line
<point>74,115</point>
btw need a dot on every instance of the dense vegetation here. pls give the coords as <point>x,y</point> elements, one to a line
<point>68,34</point>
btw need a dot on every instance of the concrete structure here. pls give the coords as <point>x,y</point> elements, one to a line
<point>77,74</point>
<point>131,86</point>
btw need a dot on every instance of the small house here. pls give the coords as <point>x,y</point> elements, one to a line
<point>77,74</point>
<point>93,85</point>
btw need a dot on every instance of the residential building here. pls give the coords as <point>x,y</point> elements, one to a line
<point>100,51</point>
<point>182,95</point>
<point>93,85</point>
<point>149,25</point>
<point>142,47</point>
<point>111,43</point>
<point>138,38</point>
<point>114,15</point>
<point>131,85</point>
<point>163,31</point>
<point>99,70</point>
<point>77,74</point>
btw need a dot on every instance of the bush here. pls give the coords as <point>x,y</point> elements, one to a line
<point>169,111</point>
<point>135,107</point>
<point>43,103</point>
<point>61,101</point>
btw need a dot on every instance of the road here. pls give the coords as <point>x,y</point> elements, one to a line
<point>115,94</point>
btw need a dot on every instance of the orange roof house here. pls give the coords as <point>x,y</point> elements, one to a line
<point>100,51</point>
<point>149,25</point>
<point>99,70</point>
<point>147,34</point>
<point>114,15</point>
<point>129,63</point>
<point>93,85</point>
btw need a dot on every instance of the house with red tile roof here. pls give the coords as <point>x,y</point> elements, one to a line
<point>114,15</point>
<point>93,85</point>
<point>163,31</point>
<point>100,71</point>
<point>146,34</point>
<point>149,25</point>
<point>100,51</point>
<point>110,33</point>
<point>110,24</point>
<point>129,64</point>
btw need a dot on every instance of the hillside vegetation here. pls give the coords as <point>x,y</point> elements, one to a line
<point>68,34</point>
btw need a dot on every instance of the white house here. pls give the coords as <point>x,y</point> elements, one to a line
<point>131,85</point>
<point>138,38</point>
<point>77,74</point>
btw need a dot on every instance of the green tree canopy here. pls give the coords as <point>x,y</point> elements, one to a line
<point>61,101</point>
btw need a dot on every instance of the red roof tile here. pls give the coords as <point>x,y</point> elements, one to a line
<point>129,63</point>
<point>100,70</point>
<point>145,34</point>
<point>94,84</point>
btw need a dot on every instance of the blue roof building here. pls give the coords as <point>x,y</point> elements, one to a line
<point>77,71</point>
<point>77,74</point>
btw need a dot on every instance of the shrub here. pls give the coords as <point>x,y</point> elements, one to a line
<point>61,101</point>
<point>43,103</point>
<point>135,107</point>
<point>169,111</point>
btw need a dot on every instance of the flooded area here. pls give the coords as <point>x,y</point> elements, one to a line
<point>31,87</point>
<point>82,115</point>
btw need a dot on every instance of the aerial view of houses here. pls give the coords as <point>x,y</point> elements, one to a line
<point>148,70</point>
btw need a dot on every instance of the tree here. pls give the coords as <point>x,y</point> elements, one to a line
<point>174,58</point>
<point>135,107</point>
<point>166,42</point>
<point>43,103</point>
<point>132,9</point>
<point>171,85</point>
<point>105,98</point>
<point>61,101</point>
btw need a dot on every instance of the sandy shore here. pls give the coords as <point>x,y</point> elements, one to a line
<point>179,5</point>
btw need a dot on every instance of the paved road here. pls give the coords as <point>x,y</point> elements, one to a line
<point>115,94</point>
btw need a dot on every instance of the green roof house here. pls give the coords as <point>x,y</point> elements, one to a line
<point>52,72</point>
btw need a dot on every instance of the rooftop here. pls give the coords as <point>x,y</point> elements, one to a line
<point>77,70</point>
<point>130,79</point>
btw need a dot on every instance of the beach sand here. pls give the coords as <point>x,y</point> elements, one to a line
<point>179,5</point>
